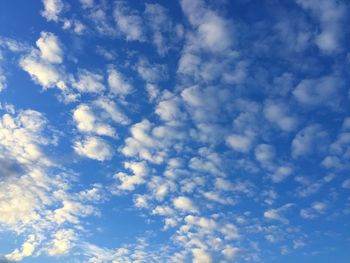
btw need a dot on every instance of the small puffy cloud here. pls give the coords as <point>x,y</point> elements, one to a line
<point>62,242</point>
<point>117,82</point>
<point>151,72</point>
<point>129,23</point>
<point>230,252</point>
<point>2,82</point>
<point>144,143</point>
<point>50,48</point>
<point>281,173</point>
<point>26,250</point>
<point>307,140</point>
<point>278,213</point>
<point>331,15</point>
<point>201,256</point>
<point>88,122</point>
<point>346,184</point>
<point>41,72</point>
<point>239,143</point>
<point>52,9</point>
<point>214,32</point>
<point>94,148</point>
<point>89,82</point>
<point>278,114</point>
<point>264,153</point>
<point>96,117</point>
<point>170,109</point>
<point>316,209</point>
<point>316,91</point>
<point>129,182</point>
<point>185,204</point>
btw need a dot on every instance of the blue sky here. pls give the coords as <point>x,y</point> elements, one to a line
<point>174,131</point>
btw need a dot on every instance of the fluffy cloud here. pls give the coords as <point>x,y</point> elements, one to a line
<point>307,140</point>
<point>240,143</point>
<point>278,114</point>
<point>62,242</point>
<point>50,48</point>
<point>94,148</point>
<point>129,182</point>
<point>89,82</point>
<point>52,9</point>
<point>320,90</point>
<point>185,204</point>
<point>330,14</point>
<point>213,31</point>
<point>117,82</point>
<point>128,22</point>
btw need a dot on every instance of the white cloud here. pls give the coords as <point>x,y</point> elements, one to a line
<point>185,204</point>
<point>320,90</point>
<point>278,114</point>
<point>117,82</point>
<point>151,72</point>
<point>264,153</point>
<point>308,140</point>
<point>169,109</point>
<point>240,143</point>
<point>331,15</point>
<point>281,173</point>
<point>346,184</point>
<point>41,72</point>
<point>52,9</point>
<point>26,250</point>
<point>278,213</point>
<point>62,242</point>
<point>201,256</point>
<point>129,182</point>
<point>89,82</point>
<point>128,22</point>
<point>143,144</point>
<point>230,252</point>
<point>213,31</point>
<point>50,47</point>
<point>87,122</point>
<point>316,209</point>
<point>2,82</point>
<point>94,148</point>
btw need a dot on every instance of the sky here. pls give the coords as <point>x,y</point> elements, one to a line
<point>204,131</point>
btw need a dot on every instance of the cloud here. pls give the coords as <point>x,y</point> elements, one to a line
<point>201,256</point>
<point>264,153</point>
<point>41,72</point>
<point>185,204</point>
<point>240,143</point>
<point>316,209</point>
<point>52,9</point>
<point>62,242</point>
<point>97,117</point>
<point>94,148</point>
<point>129,182</point>
<point>27,250</point>
<point>129,22</point>
<point>278,114</point>
<point>278,213</point>
<point>330,14</point>
<point>50,48</point>
<point>88,122</point>
<point>89,82</point>
<point>308,140</point>
<point>118,83</point>
<point>213,32</point>
<point>313,92</point>
<point>346,184</point>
